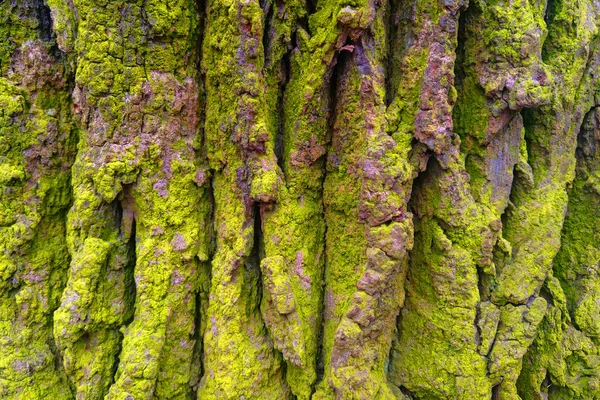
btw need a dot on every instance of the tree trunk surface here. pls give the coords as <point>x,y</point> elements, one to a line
<point>299,199</point>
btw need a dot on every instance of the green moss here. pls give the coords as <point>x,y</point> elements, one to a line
<point>240,135</point>
<point>568,336</point>
<point>139,188</point>
<point>435,355</point>
<point>252,236</point>
<point>36,151</point>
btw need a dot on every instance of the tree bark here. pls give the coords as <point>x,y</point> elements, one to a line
<point>299,199</point>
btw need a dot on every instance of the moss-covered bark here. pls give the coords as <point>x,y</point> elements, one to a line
<point>311,199</point>
<point>37,149</point>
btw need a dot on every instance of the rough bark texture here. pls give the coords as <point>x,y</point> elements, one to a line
<point>299,199</point>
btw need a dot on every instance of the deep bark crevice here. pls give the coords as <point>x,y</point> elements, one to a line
<point>45,20</point>
<point>496,392</point>
<point>280,111</point>
<point>459,65</point>
<point>319,359</point>
<point>332,78</point>
<point>198,351</point>
<point>400,36</point>
<point>257,254</point>
<point>129,277</point>
<point>268,10</point>
<point>311,6</point>
<point>550,11</point>
<point>406,392</point>
<point>529,122</point>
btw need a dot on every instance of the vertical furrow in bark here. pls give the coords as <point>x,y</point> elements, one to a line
<point>37,149</point>
<point>400,35</point>
<point>172,208</point>
<point>551,149</point>
<point>345,240</point>
<point>560,362</point>
<point>239,357</point>
<point>494,84</point>
<point>136,98</point>
<point>437,352</point>
<point>532,226</point>
<point>368,183</point>
<point>98,234</point>
<point>422,109</point>
<point>551,158</point>
<point>294,227</point>
<point>204,273</point>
